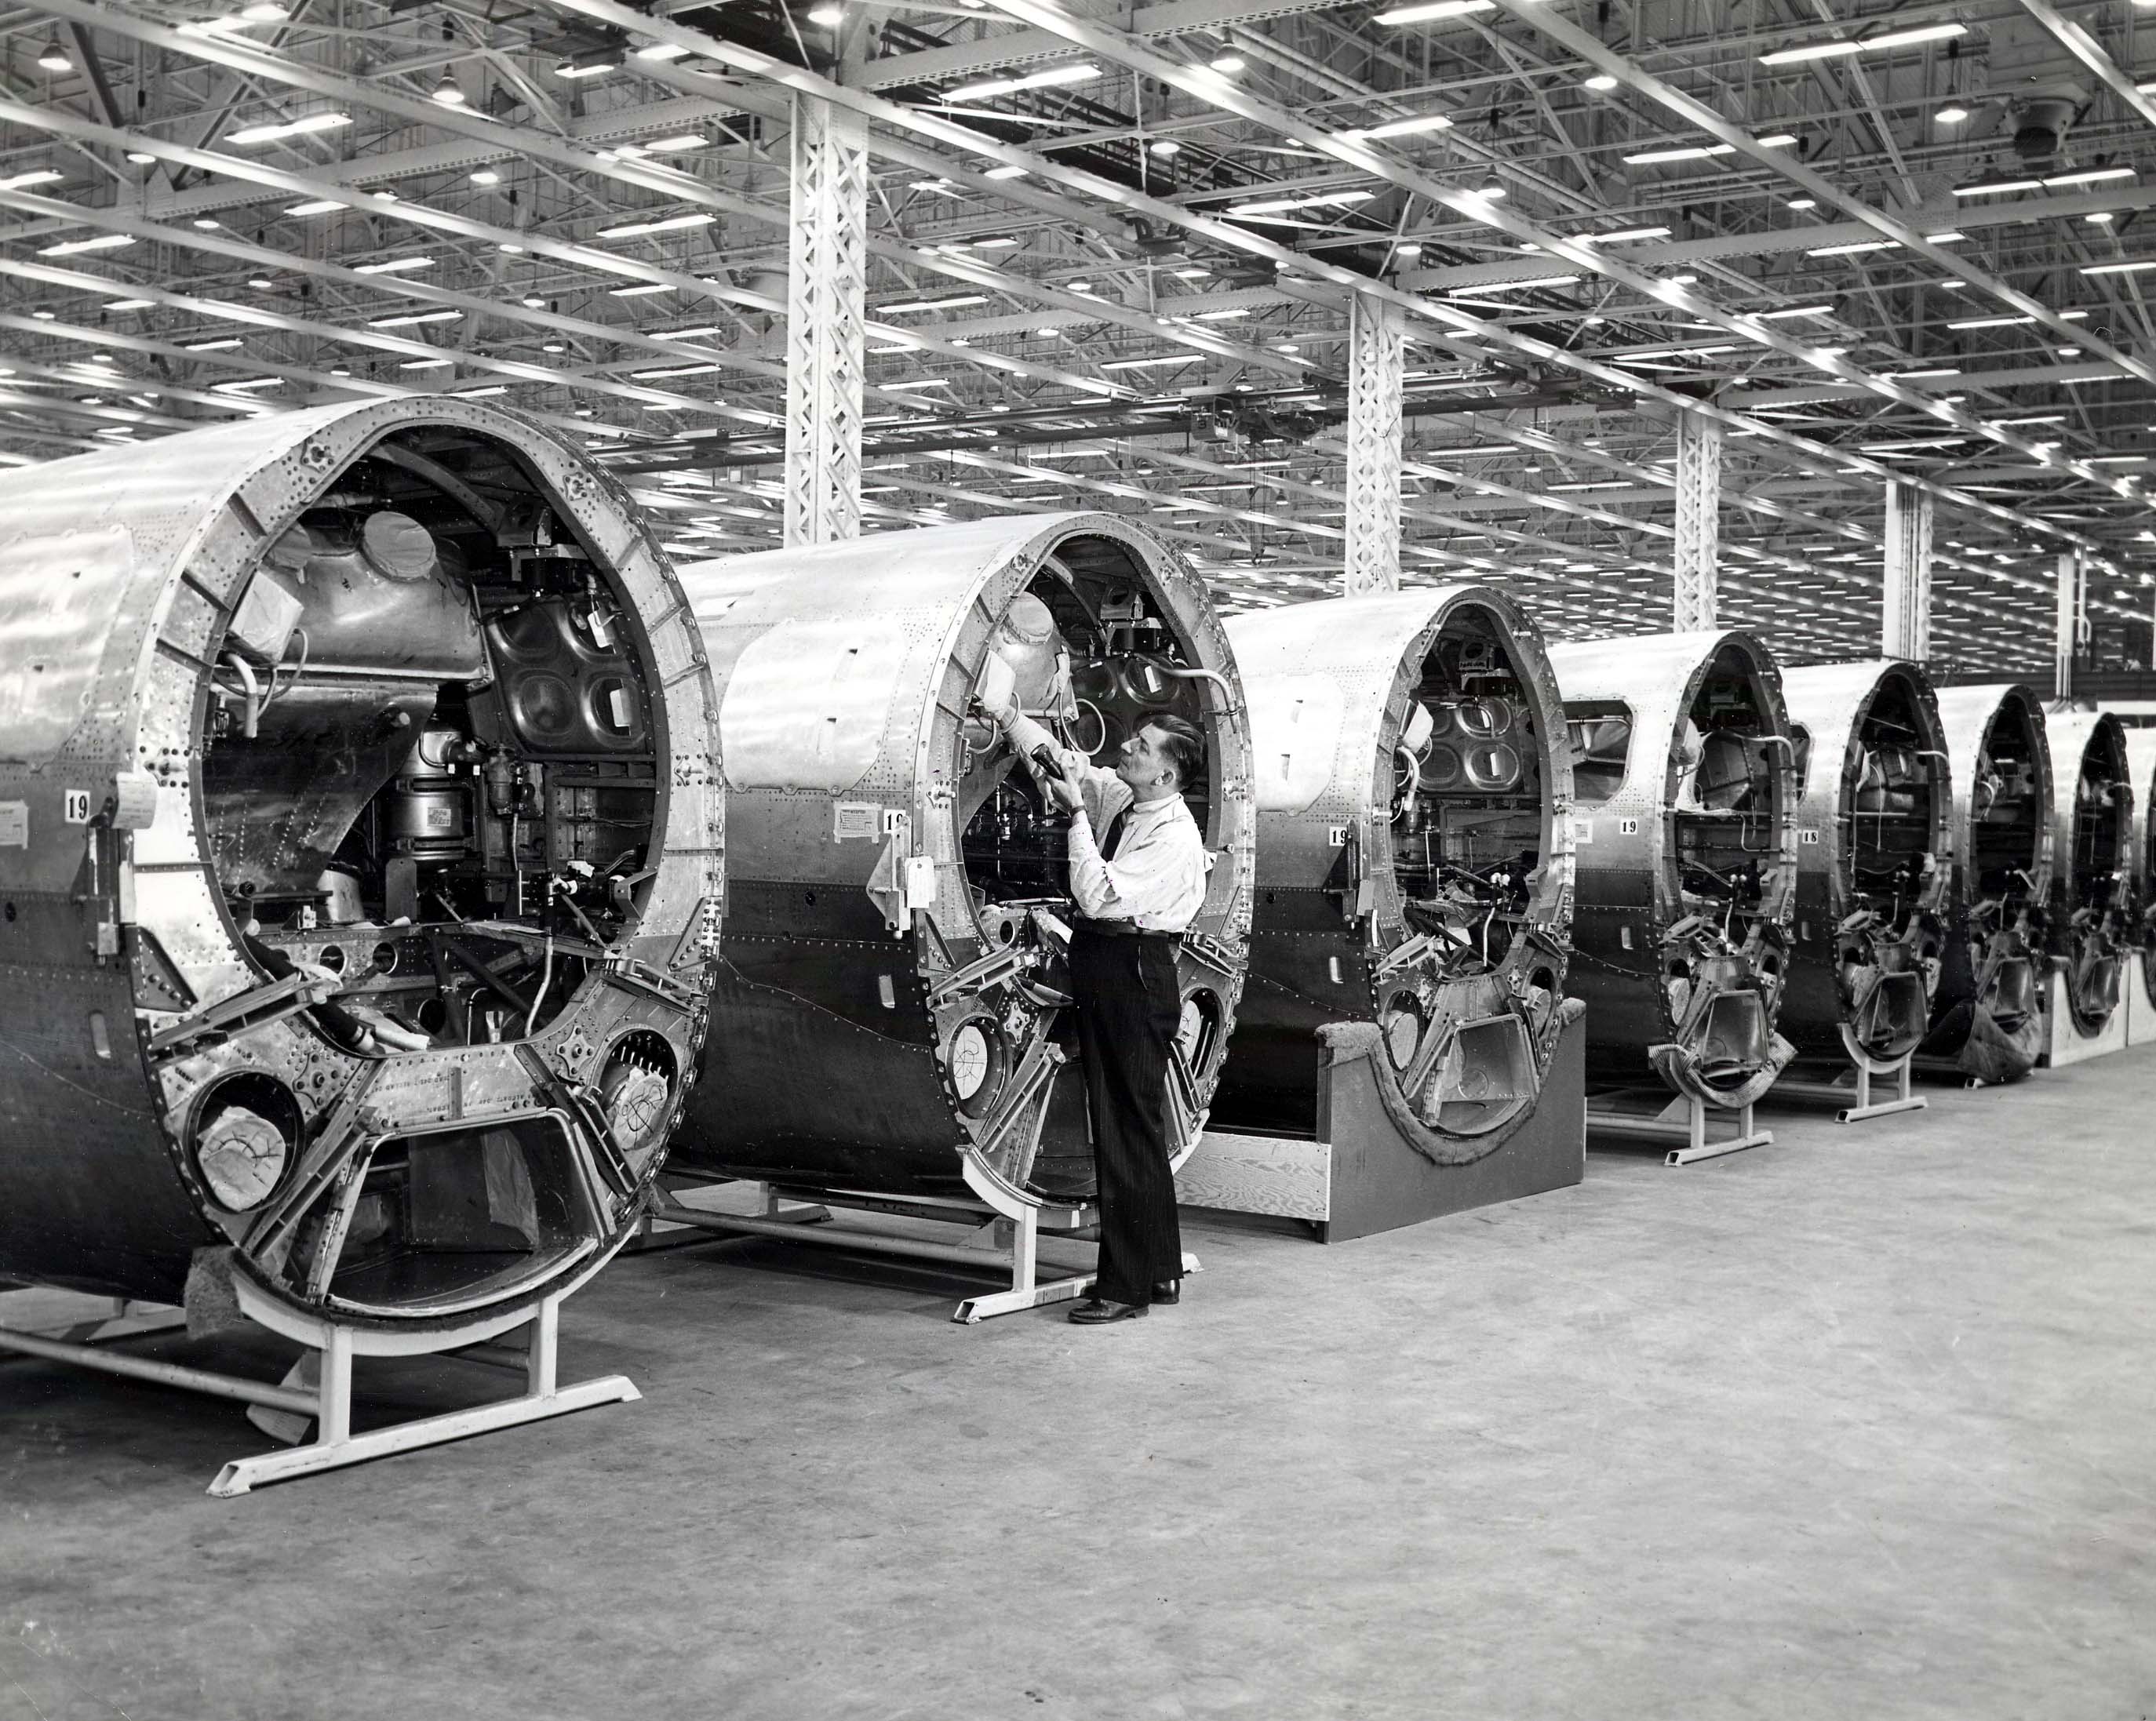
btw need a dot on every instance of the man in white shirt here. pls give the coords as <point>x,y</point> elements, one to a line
<point>1137,886</point>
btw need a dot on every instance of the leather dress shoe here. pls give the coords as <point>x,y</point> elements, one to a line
<point>1167,1290</point>
<point>1099,1312</point>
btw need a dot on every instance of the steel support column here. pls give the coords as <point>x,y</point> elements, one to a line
<point>826,344</point>
<point>1699,519</point>
<point>1377,358</point>
<point>2069,623</point>
<point>1905,614</point>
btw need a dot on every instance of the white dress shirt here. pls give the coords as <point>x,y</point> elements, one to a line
<point>1157,879</point>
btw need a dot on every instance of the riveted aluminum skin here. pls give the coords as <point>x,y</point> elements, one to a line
<point>2141,778</point>
<point>120,572</point>
<point>876,1026</point>
<point>1632,922</point>
<point>1330,685</point>
<point>2092,866</point>
<point>1840,972</point>
<point>1987,1014</point>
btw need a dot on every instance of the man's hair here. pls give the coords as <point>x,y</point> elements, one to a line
<point>1181,746</point>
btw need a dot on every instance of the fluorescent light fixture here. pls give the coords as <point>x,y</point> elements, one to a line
<point>485,176</point>
<point>129,304</point>
<point>1005,171</point>
<point>1691,152</point>
<point>1863,44</point>
<point>1947,238</point>
<point>1274,206</point>
<point>320,205</point>
<point>426,363</point>
<point>1182,358</point>
<point>393,266</point>
<point>272,133</point>
<point>1992,187</point>
<point>1624,235</point>
<point>1929,371</point>
<point>666,224</point>
<point>956,301</point>
<point>2119,268</point>
<point>412,319</point>
<point>101,242</point>
<point>36,176</point>
<point>2072,317</point>
<point>641,291</point>
<point>2035,418</point>
<point>704,370</point>
<point>1080,73</point>
<point>2088,175</point>
<point>1512,286</point>
<point>244,384</point>
<point>675,146</point>
<point>1432,10</point>
<point>1400,128</point>
<point>661,51</point>
<point>225,345</point>
<point>1854,248</point>
<point>481,394</point>
<point>588,65</point>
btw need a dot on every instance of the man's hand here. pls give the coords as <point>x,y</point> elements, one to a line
<point>1064,792</point>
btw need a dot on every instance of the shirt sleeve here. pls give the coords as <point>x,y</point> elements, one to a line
<point>1158,877</point>
<point>1099,786</point>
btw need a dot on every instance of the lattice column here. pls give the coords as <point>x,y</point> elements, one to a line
<point>2067,626</point>
<point>1905,614</point>
<point>826,350</point>
<point>1699,519</point>
<point>1377,356</point>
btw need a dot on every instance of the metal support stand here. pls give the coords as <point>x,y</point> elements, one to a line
<point>1864,1071</point>
<point>1683,1120</point>
<point>1003,1237</point>
<point>316,1391</point>
<point>1376,360</point>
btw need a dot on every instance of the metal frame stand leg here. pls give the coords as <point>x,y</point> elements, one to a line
<point>1005,1236</point>
<point>1683,1121</point>
<point>1864,1071</point>
<point>324,1402</point>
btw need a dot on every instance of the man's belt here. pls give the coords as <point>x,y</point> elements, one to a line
<point>1117,928</point>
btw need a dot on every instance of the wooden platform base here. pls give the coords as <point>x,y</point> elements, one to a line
<point>2068,1043</point>
<point>1361,1177</point>
<point>2140,1005</point>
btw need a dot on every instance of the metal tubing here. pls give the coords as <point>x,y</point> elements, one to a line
<point>161,1374</point>
<point>880,1243</point>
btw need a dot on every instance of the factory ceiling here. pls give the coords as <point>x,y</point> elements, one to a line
<point>1111,253</point>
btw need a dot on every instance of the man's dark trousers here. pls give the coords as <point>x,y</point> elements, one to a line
<point>1129,1006</point>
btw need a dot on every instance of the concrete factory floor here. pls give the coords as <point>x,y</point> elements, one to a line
<point>1860,1424</point>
